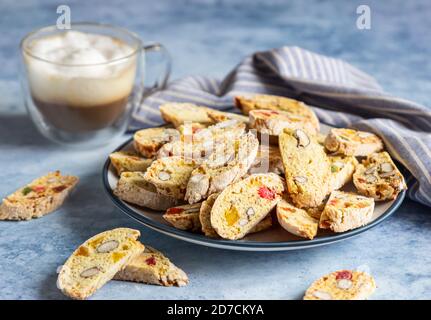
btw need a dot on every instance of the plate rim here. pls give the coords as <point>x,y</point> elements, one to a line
<point>237,244</point>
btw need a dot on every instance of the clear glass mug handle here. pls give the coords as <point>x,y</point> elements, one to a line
<point>162,80</point>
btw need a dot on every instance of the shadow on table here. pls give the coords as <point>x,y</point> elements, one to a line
<point>18,130</point>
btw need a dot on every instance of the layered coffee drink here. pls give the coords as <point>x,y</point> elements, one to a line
<point>80,82</point>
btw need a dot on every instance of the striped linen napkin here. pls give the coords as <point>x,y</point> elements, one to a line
<point>340,94</point>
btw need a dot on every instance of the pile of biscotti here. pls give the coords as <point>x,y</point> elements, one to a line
<point>223,174</point>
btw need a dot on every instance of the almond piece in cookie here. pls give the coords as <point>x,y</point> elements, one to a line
<point>153,267</point>
<point>170,175</point>
<point>342,168</point>
<point>148,141</point>
<point>342,285</point>
<point>97,260</point>
<point>270,102</point>
<point>129,162</point>
<point>296,221</point>
<point>273,122</point>
<point>346,211</point>
<point>38,198</point>
<point>185,217</point>
<point>379,178</point>
<point>307,168</point>
<point>224,167</point>
<point>351,142</point>
<point>242,205</point>
<point>205,219</point>
<point>133,188</point>
<point>179,113</point>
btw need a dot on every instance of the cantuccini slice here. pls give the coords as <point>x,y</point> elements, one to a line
<point>307,168</point>
<point>178,113</point>
<point>170,175</point>
<point>342,285</point>
<point>97,260</point>
<point>153,267</point>
<point>124,161</point>
<point>38,198</point>
<point>148,141</point>
<point>185,217</point>
<point>242,205</point>
<point>379,178</point>
<point>346,211</point>
<point>296,221</point>
<point>351,142</point>
<point>133,188</point>
<point>342,169</point>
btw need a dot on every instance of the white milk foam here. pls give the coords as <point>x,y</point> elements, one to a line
<point>73,76</point>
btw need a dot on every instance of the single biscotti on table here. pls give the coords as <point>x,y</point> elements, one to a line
<point>242,205</point>
<point>178,113</point>
<point>342,285</point>
<point>153,267</point>
<point>40,197</point>
<point>224,167</point>
<point>199,145</point>
<point>270,102</point>
<point>124,161</point>
<point>97,260</point>
<point>296,221</point>
<point>351,142</point>
<point>205,219</point>
<point>342,168</point>
<point>185,217</point>
<point>307,168</point>
<point>346,211</point>
<point>148,141</point>
<point>170,175</point>
<point>273,122</point>
<point>133,188</point>
<point>379,178</point>
<point>268,159</point>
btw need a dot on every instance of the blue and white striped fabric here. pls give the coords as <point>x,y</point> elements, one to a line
<point>341,95</point>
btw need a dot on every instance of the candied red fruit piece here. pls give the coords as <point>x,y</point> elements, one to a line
<point>151,261</point>
<point>174,210</point>
<point>345,274</point>
<point>38,188</point>
<point>266,193</point>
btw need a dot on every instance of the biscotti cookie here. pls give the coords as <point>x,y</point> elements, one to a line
<point>133,188</point>
<point>184,217</point>
<point>170,175</point>
<point>201,144</point>
<point>242,205</point>
<point>224,167</point>
<point>342,285</point>
<point>40,197</point>
<point>148,141</point>
<point>273,122</point>
<point>351,142</point>
<point>379,178</point>
<point>205,219</point>
<point>296,221</point>
<point>270,102</point>
<point>342,168</point>
<point>268,159</point>
<point>220,116</point>
<point>129,162</point>
<point>178,113</point>
<point>346,211</point>
<point>153,267</point>
<point>307,168</point>
<point>97,260</point>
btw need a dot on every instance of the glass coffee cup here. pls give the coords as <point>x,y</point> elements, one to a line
<point>82,85</point>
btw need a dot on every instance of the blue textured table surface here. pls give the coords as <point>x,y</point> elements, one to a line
<point>210,37</point>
